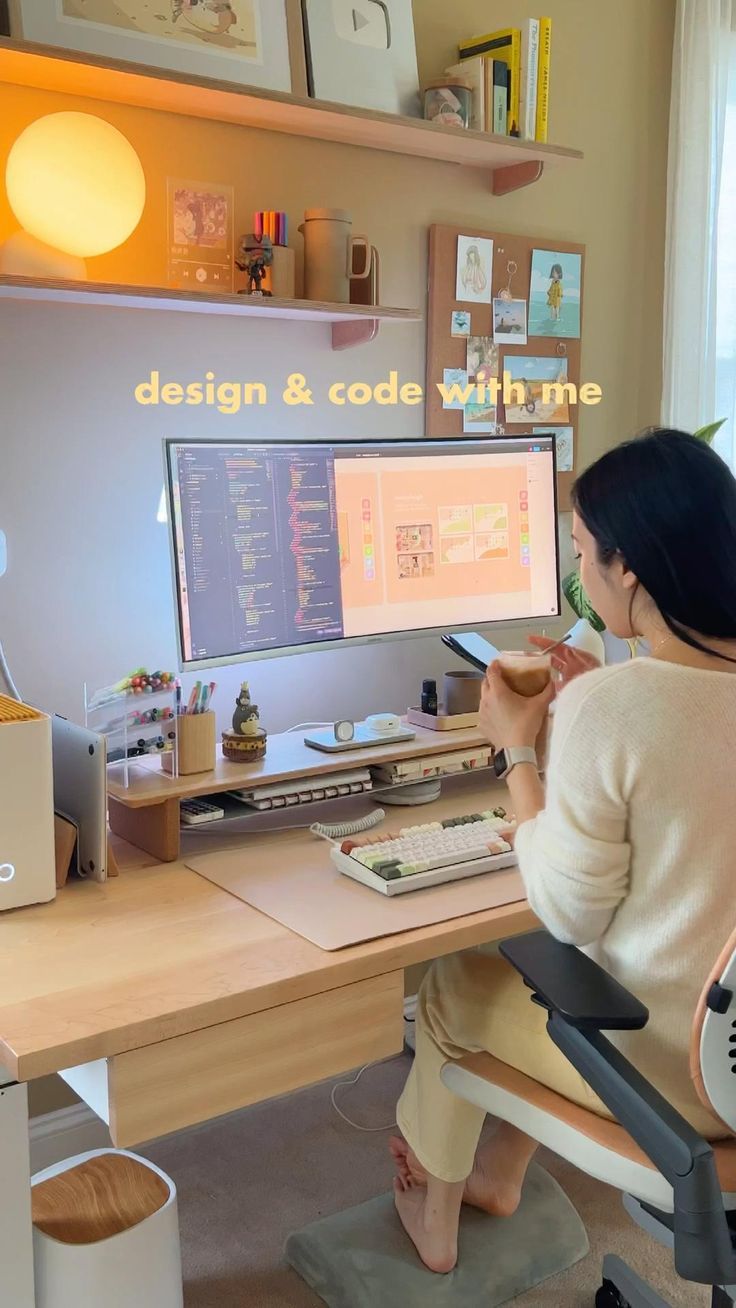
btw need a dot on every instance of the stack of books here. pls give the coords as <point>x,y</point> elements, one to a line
<point>509,71</point>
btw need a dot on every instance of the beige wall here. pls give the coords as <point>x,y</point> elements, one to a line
<point>67,375</point>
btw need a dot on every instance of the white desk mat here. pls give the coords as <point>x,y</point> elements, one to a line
<point>319,903</point>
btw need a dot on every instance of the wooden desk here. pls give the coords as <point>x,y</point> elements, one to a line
<point>173,1002</point>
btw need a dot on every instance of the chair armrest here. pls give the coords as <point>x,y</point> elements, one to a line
<point>567,982</point>
<point>703,1249</point>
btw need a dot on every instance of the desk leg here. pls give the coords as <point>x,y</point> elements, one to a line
<point>154,828</point>
<point>16,1228</point>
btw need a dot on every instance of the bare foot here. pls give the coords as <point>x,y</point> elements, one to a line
<point>495,1183</point>
<point>435,1245</point>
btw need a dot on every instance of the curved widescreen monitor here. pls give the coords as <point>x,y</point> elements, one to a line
<point>285,546</point>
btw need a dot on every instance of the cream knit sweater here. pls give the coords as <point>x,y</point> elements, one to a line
<point>634,854</point>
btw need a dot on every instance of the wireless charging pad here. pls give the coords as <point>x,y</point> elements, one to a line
<point>363,739</point>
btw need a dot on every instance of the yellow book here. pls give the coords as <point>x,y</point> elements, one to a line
<point>505,45</point>
<point>545,43</point>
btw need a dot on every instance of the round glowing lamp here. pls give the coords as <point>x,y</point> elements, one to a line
<point>77,188</point>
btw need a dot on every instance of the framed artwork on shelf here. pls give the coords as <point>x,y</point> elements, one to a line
<point>246,41</point>
<point>363,53</point>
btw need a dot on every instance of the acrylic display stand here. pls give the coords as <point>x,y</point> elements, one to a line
<point>136,728</point>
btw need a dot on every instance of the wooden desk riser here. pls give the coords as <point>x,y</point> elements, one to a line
<point>183,1002</point>
<point>146,812</point>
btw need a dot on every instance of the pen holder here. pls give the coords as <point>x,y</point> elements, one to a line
<point>195,744</point>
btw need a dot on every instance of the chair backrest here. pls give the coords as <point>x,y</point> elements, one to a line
<point>713,1043</point>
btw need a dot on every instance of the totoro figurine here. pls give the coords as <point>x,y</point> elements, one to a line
<point>246,743</point>
<point>246,717</point>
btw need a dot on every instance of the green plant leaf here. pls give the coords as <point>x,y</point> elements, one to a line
<point>572,589</point>
<point>709,433</point>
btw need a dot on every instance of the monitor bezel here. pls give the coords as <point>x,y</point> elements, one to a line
<point>343,642</point>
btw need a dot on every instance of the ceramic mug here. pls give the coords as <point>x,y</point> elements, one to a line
<point>462,692</point>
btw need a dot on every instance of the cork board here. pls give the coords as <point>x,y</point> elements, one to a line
<point>447,351</point>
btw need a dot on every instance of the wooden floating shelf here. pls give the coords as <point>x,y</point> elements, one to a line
<point>510,163</point>
<point>352,324</point>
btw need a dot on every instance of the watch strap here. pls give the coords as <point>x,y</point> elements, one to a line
<point>518,754</point>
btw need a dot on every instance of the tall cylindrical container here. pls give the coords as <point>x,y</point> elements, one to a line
<point>328,255</point>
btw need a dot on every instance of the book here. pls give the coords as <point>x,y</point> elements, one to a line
<point>505,45</point>
<point>545,43</point>
<point>500,100</point>
<point>473,70</point>
<point>529,79</point>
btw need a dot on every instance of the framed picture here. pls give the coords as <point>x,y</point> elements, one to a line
<point>233,40</point>
<point>363,52</point>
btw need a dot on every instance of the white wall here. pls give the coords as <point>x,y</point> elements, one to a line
<point>88,592</point>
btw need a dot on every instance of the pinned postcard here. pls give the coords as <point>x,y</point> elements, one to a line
<point>474,269</point>
<point>482,359</point>
<point>555,294</point>
<point>454,377</point>
<point>564,443</point>
<point>509,322</point>
<point>479,418</point>
<point>200,236</point>
<point>460,324</point>
<point>539,389</point>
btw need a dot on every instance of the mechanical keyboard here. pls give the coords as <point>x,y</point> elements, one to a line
<point>429,854</point>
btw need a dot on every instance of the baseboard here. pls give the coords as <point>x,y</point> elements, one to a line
<point>68,1131</point>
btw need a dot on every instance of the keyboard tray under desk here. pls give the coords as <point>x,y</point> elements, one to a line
<point>146,812</point>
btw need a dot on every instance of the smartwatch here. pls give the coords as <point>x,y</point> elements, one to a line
<point>344,731</point>
<point>506,760</point>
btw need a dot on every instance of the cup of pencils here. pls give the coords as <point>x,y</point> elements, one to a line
<point>280,276</point>
<point>196,733</point>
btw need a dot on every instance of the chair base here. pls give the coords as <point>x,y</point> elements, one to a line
<point>623,1288</point>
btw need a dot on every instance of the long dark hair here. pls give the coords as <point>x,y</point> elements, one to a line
<point>666,504</point>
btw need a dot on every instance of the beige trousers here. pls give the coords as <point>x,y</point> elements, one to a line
<point>468,1003</point>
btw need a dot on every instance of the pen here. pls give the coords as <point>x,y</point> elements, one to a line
<point>192,705</point>
<point>178,698</point>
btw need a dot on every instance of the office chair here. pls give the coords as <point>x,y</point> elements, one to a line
<point>678,1187</point>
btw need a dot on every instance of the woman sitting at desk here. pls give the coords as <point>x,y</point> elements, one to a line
<point>631,851</point>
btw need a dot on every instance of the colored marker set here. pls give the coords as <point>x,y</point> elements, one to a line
<point>273,224</point>
<point>200,699</point>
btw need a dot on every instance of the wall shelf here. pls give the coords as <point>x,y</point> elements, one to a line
<point>352,324</point>
<point>509,163</point>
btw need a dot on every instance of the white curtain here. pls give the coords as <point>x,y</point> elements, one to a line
<point>726,282</point>
<point>700,92</point>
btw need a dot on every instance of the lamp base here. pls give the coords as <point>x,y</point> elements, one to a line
<point>23,256</point>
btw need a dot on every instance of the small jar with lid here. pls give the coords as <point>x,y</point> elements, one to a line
<point>449,101</point>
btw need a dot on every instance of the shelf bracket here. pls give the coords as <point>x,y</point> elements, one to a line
<point>506,180</point>
<point>347,334</point>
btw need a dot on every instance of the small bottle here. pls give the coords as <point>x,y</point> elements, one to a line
<point>429,698</point>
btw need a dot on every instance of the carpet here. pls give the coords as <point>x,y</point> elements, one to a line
<point>247,1181</point>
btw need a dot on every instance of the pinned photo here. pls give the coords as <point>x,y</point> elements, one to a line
<point>479,418</point>
<point>482,359</point>
<point>555,294</point>
<point>474,269</point>
<point>564,444</point>
<point>509,322</point>
<point>454,377</point>
<point>460,323</point>
<point>538,389</point>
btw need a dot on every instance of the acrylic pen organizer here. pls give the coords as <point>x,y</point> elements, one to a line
<point>137,724</point>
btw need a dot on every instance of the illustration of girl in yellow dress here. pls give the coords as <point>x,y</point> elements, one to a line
<point>555,292</point>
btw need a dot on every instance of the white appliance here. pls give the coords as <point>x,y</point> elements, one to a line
<point>27,859</point>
